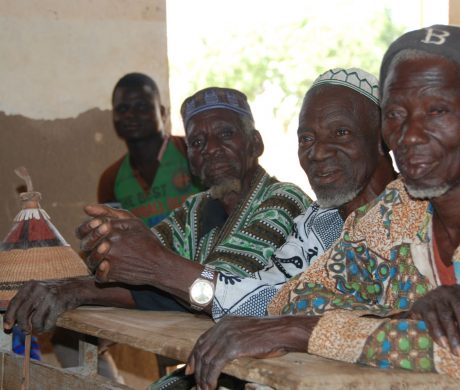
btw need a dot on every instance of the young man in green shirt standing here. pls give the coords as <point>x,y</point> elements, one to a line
<point>153,178</point>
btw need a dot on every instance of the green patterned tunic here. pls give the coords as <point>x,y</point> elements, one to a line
<point>249,236</point>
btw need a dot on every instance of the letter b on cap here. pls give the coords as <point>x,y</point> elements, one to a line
<point>436,37</point>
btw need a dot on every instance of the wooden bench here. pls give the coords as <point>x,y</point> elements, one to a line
<point>173,335</point>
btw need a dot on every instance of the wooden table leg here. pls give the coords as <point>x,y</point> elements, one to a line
<point>87,356</point>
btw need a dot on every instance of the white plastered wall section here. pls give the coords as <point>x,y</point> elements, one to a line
<point>61,58</point>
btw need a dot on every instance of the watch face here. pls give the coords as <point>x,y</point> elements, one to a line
<point>202,291</point>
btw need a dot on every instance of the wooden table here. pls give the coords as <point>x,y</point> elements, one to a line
<point>173,335</point>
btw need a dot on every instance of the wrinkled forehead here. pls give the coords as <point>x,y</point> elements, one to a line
<point>411,68</point>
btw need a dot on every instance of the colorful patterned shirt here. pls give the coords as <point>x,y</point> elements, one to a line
<point>245,240</point>
<point>313,232</point>
<point>382,264</point>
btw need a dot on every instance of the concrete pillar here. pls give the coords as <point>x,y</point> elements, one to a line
<point>454,12</point>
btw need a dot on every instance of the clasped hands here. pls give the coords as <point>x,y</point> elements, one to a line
<point>118,246</point>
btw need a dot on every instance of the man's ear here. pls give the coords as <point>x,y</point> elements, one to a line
<point>383,147</point>
<point>257,144</point>
<point>163,113</point>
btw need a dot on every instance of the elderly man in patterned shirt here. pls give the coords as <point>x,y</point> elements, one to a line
<point>234,227</point>
<point>398,258</point>
<point>341,152</point>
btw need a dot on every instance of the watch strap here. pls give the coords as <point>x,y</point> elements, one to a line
<point>208,273</point>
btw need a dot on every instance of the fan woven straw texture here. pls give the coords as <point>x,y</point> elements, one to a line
<point>46,263</point>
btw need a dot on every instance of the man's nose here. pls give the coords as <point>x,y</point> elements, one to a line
<point>320,150</point>
<point>212,146</point>
<point>413,130</point>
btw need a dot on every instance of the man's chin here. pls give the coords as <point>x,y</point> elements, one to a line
<point>220,190</point>
<point>418,192</point>
<point>334,199</point>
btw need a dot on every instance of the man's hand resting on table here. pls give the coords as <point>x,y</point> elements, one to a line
<point>37,305</point>
<point>440,309</point>
<point>236,337</point>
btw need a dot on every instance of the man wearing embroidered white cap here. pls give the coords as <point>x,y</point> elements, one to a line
<point>347,166</point>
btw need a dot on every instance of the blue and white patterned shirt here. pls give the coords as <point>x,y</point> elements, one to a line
<point>314,231</point>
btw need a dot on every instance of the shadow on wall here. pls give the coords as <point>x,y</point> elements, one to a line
<point>64,157</point>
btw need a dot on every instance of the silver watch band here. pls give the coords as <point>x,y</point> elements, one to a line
<point>208,273</point>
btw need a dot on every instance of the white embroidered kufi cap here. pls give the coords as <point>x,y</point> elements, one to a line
<point>354,78</point>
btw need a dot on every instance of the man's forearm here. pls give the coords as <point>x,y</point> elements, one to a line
<point>292,333</point>
<point>172,273</point>
<point>355,337</point>
<point>109,294</point>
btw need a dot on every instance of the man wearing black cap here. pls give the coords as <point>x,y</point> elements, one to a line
<point>235,226</point>
<point>398,257</point>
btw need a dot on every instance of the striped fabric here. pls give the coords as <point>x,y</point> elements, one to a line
<point>250,235</point>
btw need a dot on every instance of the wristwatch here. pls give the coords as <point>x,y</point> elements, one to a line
<point>201,292</point>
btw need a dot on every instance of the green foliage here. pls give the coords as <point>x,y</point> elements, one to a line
<point>285,59</point>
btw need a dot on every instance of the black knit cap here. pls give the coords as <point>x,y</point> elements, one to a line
<point>439,39</point>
